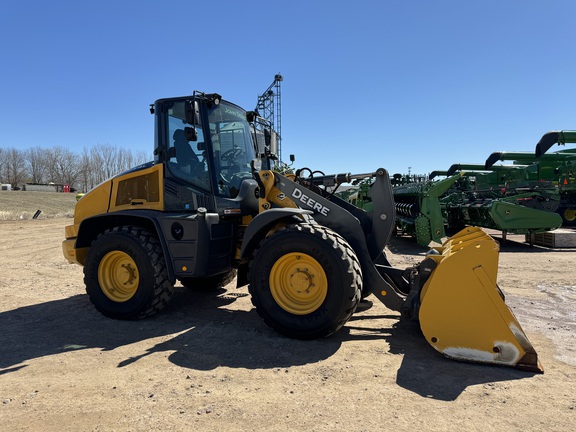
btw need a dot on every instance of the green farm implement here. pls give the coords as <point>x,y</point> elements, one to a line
<point>557,168</point>
<point>418,211</point>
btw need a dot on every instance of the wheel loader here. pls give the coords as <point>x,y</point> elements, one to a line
<point>213,205</point>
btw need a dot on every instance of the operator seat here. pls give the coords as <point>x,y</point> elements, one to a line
<point>184,153</point>
<point>188,164</point>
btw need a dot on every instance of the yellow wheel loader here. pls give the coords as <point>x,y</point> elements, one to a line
<point>212,206</point>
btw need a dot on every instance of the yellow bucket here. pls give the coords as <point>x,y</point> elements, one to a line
<point>462,311</point>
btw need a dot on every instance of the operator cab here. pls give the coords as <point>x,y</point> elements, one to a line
<point>205,143</point>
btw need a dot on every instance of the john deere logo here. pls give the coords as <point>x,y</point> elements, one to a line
<point>310,202</point>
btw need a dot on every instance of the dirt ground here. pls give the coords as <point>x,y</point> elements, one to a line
<point>208,362</point>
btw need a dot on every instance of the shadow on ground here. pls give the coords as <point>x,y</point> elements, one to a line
<point>425,371</point>
<point>203,334</point>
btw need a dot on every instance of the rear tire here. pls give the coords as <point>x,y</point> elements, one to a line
<point>125,274</point>
<point>305,281</point>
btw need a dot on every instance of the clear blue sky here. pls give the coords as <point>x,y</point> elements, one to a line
<point>421,84</point>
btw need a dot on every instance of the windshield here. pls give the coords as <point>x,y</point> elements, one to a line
<point>232,147</point>
<point>220,154</point>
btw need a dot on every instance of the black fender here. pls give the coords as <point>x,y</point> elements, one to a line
<point>261,225</point>
<point>91,227</point>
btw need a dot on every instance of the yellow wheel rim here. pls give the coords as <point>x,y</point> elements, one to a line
<point>118,276</point>
<point>570,214</point>
<point>298,283</point>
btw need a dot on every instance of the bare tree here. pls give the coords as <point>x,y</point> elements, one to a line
<point>37,164</point>
<point>85,176</point>
<point>63,165</point>
<point>140,157</point>
<point>2,164</point>
<point>107,160</point>
<point>13,167</point>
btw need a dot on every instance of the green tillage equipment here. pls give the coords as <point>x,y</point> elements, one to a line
<point>501,199</point>
<point>498,176</point>
<point>558,168</point>
<point>521,213</point>
<point>418,211</point>
<point>505,199</point>
<point>360,197</point>
<point>566,185</point>
<point>466,182</point>
<point>424,209</point>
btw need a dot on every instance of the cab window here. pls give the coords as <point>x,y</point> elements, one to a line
<point>188,158</point>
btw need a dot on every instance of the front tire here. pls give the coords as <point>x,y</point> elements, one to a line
<point>305,281</point>
<point>125,274</point>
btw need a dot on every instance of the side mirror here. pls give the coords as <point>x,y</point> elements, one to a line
<point>192,113</point>
<point>251,116</point>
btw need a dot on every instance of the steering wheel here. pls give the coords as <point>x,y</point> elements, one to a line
<point>232,154</point>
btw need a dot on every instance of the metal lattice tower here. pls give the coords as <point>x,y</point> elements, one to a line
<point>269,107</point>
